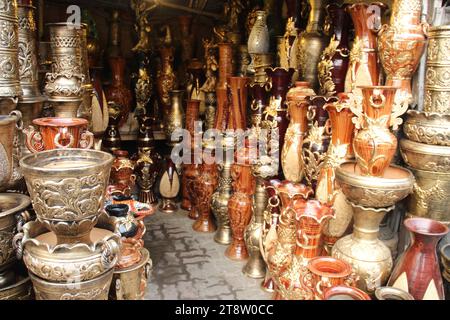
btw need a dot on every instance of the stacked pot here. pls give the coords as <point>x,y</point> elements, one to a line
<point>427,147</point>
<point>72,248</point>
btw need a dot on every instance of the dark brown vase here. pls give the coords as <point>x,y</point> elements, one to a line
<point>146,170</point>
<point>122,169</point>
<point>335,58</point>
<point>225,71</point>
<point>417,270</point>
<point>187,38</point>
<point>204,187</point>
<point>118,90</point>
<point>275,115</point>
<point>240,204</point>
<point>258,104</point>
<point>166,79</point>
<point>111,140</point>
<point>238,103</point>
<point>145,138</point>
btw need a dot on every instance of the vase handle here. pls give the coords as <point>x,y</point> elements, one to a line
<point>62,135</point>
<point>19,120</point>
<point>86,140</point>
<point>33,141</point>
<point>110,254</point>
<point>17,245</point>
<point>323,282</point>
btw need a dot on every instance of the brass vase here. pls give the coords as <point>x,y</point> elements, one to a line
<point>7,132</point>
<point>175,116</point>
<point>146,170</point>
<point>311,44</point>
<point>401,44</point>
<point>219,201</point>
<point>166,79</point>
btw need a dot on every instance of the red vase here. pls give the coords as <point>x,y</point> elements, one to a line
<point>417,270</point>
<point>118,91</point>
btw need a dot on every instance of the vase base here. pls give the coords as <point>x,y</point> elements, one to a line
<point>223,236</point>
<point>168,206</point>
<point>204,225</point>
<point>147,196</point>
<point>267,284</point>
<point>193,214</point>
<point>186,205</point>
<point>255,268</point>
<point>237,251</point>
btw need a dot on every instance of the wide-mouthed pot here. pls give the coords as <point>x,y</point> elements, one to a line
<point>430,196</point>
<point>395,184</point>
<point>58,133</point>
<point>10,205</point>
<point>67,189</point>
<point>20,289</point>
<point>130,283</point>
<point>94,289</point>
<point>71,262</point>
<point>425,156</point>
<point>345,293</point>
<point>428,127</point>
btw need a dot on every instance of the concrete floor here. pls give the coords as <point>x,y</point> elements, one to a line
<point>191,265</point>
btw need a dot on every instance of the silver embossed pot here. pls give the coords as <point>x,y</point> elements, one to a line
<point>428,127</point>
<point>68,262</point>
<point>67,189</point>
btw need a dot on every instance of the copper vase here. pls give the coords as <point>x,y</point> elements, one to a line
<point>417,270</point>
<point>401,44</point>
<point>240,204</point>
<point>118,90</point>
<point>364,68</point>
<point>237,114</point>
<point>225,71</point>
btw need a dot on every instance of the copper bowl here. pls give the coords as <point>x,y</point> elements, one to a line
<point>345,293</point>
<point>376,192</point>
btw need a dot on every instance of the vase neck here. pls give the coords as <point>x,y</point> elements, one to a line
<point>341,25</point>
<point>406,13</point>
<point>118,71</point>
<point>308,237</point>
<point>367,222</point>
<point>342,126</point>
<point>316,17</point>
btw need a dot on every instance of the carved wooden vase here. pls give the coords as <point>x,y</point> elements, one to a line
<point>240,205</point>
<point>225,71</point>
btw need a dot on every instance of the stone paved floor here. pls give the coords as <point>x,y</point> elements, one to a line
<point>190,265</point>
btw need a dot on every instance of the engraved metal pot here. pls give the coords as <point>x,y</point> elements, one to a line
<point>7,130</point>
<point>67,189</point>
<point>131,283</point>
<point>430,195</point>
<point>94,289</point>
<point>391,293</point>
<point>425,156</point>
<point>11,204</point>
<point>428,127</point>
<point>437,81</point>
<point>68,262</point>
<point>10,88</point>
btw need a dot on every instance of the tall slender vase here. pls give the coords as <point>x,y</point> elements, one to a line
<point>275,115</point>
<point>238,111</point>
<point>402,43</point>
<point>364,68</point>
<point>335,58</point>
<point>310,217</point>
<point>118,90</point>
<point>311,44</point>
<point>190,171</point>
<point>225,71</point>
<point>340,150</point>
<point>146,170</point>
<point>175,117</point>
<point>417,270</point>
<point>240,205</point>
<point>166,79</point>
<point>258,40</point>
<point>369,256</point>
<point>111,139</point>
<point>291,155</point>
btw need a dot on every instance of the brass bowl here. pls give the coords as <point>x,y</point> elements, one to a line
<point>10,205</point>
<point>94,289</point>
<point>67,188</point>
<point>130,283</point>
<point>391,293</point>
<point>425,156</point>
<point>21,287</point>
<point>430,196</point>
<point>428,127</point>
<point>73,262</point>
<point>376,192</point>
